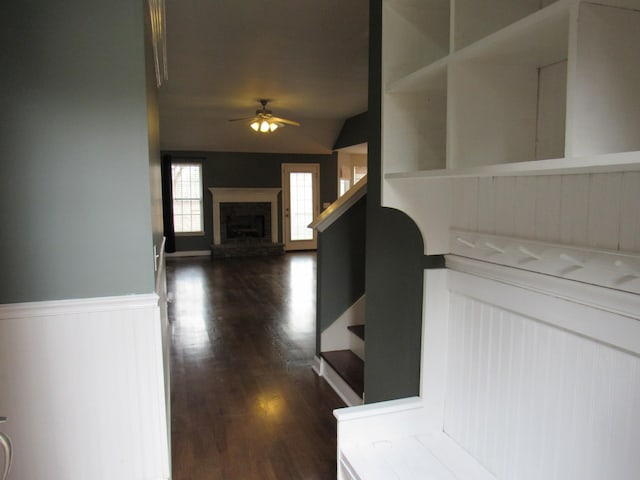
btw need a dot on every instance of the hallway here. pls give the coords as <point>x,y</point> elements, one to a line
<point>245,401</point>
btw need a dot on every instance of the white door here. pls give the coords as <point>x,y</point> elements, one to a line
<point>300,204</point>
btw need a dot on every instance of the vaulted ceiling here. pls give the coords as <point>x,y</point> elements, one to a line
<point>309,57</point>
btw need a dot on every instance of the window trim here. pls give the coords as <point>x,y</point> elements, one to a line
<point>190,233</point>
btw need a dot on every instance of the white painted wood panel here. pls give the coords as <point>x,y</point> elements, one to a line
<point>574,209</point>
<point>525,207</point>
<point>465,203</point>
<point>630,214</point>
<point>428,207</point>
<point>547,222</point>
<point>552,101</point>
<point>605,200</point>
<point>83,387</point>
<point>486,205</point>
<point>599,210</point>
<point>533,401</point>
<point>505,192</point>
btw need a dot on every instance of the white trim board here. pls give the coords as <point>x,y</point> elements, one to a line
<point>77,306</point>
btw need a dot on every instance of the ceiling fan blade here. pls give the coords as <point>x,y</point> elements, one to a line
<point>241,119</point>
<point>285,121</point>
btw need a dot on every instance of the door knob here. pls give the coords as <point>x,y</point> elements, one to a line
<point>5,442</point>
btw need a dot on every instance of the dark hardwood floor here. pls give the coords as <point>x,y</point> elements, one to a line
<point>245,401</point>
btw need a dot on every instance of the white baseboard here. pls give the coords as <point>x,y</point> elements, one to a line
<point>190,253</point>
<point>317,365</point>
<point>341,387</point>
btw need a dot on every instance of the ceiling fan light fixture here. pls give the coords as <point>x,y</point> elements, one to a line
<point>264,126</point>
<point>264,121</point>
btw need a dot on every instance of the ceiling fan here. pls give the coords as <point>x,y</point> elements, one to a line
<point>264,121</point>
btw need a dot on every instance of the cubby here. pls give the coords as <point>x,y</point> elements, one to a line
<point>471,86</point>
<point>415,34</point>
<point>415,131</point>
<point>508,91</point>
<point>604,107</point>
<point>477,19</point>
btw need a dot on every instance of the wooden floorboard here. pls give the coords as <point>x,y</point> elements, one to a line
<point>245,401</point>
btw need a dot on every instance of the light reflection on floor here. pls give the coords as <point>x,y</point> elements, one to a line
<point>190,304</point>
<point>302,298</point>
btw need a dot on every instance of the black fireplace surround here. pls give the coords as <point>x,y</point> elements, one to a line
<point>245,222</point>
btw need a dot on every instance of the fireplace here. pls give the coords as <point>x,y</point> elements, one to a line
<point>245,222</point>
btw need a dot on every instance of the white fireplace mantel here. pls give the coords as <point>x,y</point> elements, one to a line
<point>227,195</point>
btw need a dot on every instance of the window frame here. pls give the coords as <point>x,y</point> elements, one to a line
<point>188,233</point>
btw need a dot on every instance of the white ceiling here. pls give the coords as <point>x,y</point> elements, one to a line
<point>309,57</point>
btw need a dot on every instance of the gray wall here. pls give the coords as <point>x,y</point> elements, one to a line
<point>74,174</point>
<point>229,169</point>
<point>394,265</point>
<point>340,266</point>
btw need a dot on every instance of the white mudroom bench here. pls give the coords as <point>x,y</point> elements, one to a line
<point>524,376</point>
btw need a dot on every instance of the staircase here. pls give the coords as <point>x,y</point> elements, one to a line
<point>349,364</point>
<point>341,303</point>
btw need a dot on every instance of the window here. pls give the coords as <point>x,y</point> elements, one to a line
<point>359,172</point>
<point>187,197</point>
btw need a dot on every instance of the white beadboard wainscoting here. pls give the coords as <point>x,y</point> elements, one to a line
<point>82,382</point>
<point>598,210</point>
<point>524,376</point>
<point>540,386</point>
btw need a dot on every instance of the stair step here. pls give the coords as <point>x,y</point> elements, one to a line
<point>358,330</point>
<point>349,366</point>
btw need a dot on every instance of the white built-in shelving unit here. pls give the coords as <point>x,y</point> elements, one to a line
<point>509,87</point>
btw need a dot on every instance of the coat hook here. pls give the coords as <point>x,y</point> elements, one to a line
<point>494,247</point>
<point>5,443</point>
<point>568,258</point>
<point>631,271</point>
<point>465,242</point>
<point>529,253</point>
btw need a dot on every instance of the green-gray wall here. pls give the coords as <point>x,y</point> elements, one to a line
<point>355,131</point>
<point>394,265</point>
<point>231,169</point>
<point>75,183</point>
<point>340,266</point>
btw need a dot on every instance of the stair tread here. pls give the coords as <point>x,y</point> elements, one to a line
<point>349,366</point>
<point>358,330</point>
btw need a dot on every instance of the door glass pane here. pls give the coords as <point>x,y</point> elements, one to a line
<point>301,208</point>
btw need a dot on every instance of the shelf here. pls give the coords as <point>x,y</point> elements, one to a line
<point>429,79</point>
<point>528,87</point>
<point>478,19</point>
<point>618,162</point>
<point>415,33</point>
<point>539,39</point>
